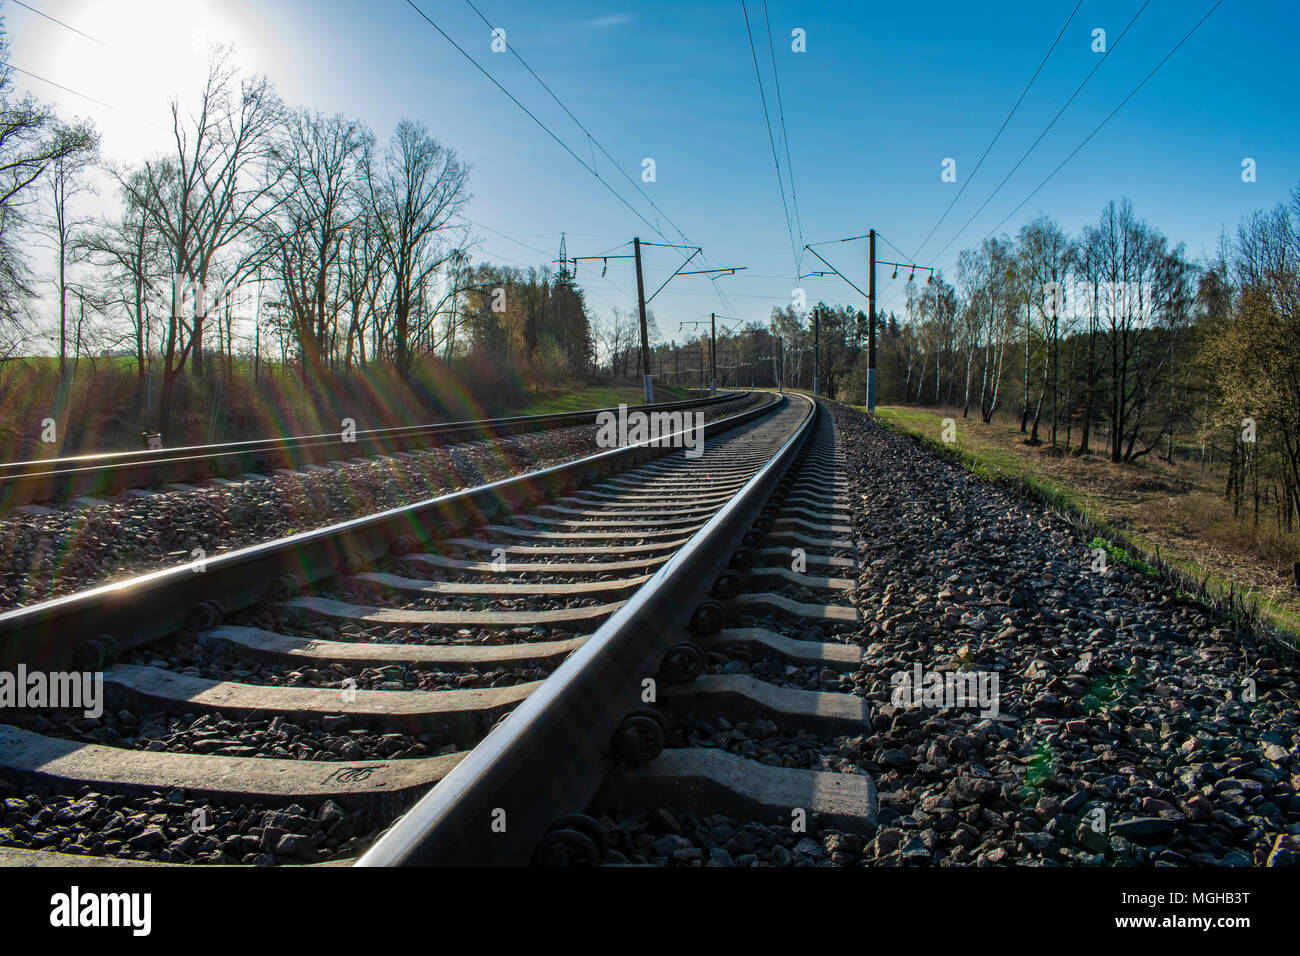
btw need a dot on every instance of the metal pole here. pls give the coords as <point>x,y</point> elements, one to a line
<point>871,323</point>
<point>713,354</point>
<point>645,338</point>
<point>817,352</point>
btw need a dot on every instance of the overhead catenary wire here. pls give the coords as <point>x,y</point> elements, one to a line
<point>785,138</point>
<point>85,96</point>
<point>767,119</point>
<point>531,115</point>
<point>66,26</point>
<point>969,178</point>
<point>1046,129</point>
<point>590,137</point>
<point>1108,118</point>
<point>518,242</point>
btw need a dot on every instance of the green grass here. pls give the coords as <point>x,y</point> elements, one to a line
<point>600,396</point>
<point>1120,555</point>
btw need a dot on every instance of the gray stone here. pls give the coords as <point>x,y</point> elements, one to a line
<point>1146,829</point>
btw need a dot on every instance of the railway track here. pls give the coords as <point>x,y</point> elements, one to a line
<point>57,479</point>
<point>488,677</point>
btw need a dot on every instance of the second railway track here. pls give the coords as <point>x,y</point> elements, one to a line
<point>110,473</point>
<point>471,680</point>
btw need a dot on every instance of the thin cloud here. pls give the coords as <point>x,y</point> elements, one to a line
<point>616,20</point>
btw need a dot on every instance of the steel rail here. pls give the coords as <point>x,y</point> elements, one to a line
<point>24,482</point>
<point>138,610</point>
<point>549,756</point>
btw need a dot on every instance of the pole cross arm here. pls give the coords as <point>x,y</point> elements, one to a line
<point>727,270</point>
<point>673,276</point>
<point>836,271</point>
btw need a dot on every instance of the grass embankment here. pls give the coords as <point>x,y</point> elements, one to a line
<point>103,406</point>
<point>1157,516</point>
<point>600,396</point>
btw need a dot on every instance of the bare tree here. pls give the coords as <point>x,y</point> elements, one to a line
<point>322,169</point>
<point>1145,297</point>
<point>64,228</point>
<point>131,250</point>
<point>1042,267</point>
<point>415,189</point>
<point>215,191</point>
<point>32,141</point>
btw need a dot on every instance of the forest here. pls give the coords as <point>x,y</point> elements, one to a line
<point>1109,342</point>
<point>271,251</point>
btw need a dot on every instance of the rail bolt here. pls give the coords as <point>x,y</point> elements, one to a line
<point>763,523</point>
<point>90,654</point>
<point>205,614</point>
<point>754,539</point>
<point>442,531</point>
<point>98,652</point>
<point>109,643</point>
<point>532,500</point>
<point>743,559</point>
<point>587,826</point>
<point>283,587</point>
<point>683,663</point>
<point>351,563</point>
<point>567,847</point>
<point>728,585</point>
<point>709,618</point>
<point>639,738</point>
<point>402,544</point>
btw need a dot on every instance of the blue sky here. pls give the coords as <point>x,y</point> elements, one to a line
<point>872,108</point>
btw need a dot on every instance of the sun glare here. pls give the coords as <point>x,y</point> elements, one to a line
<point>150,51</point>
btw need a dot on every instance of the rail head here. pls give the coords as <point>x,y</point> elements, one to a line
<point>143,608</point>
<point>535,766</point>
<point>49,479</point>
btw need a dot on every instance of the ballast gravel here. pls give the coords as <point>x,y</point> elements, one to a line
<point>47,555</point>
<point>1133,725</point>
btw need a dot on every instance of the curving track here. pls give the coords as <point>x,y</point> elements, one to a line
<point>293,699</point>
<point>56,479</point>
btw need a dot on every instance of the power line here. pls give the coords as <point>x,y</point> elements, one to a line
<point>60,23</point>
<point>996,135</point>
<point>595,142</point>
<point>1047,128</point>
<point>592,139</point>
<point>1108,117</point>
<point>770,137</point>
<point>84,96</point>
<point>789,166</point>
<point>518,242</point>
<point>617,195</point>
